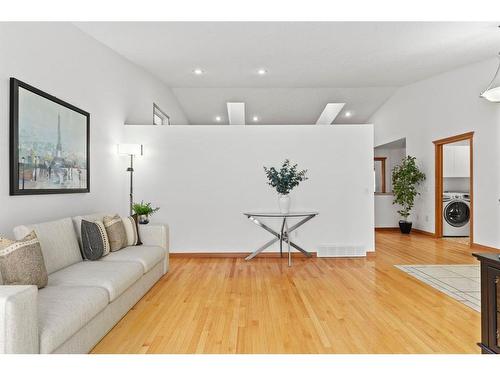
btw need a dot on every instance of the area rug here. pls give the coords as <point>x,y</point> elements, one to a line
<point>459,281</point>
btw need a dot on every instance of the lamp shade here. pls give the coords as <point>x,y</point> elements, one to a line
<point>129,149</point>
<point>492,92</point>
<point>492,95</point>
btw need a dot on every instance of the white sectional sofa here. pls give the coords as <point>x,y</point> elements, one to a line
<point>83,299</point>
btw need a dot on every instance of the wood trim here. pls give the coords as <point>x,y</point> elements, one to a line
<point>237,255</point>
<point>484,247</point>
<point>455,138</point>
<point>424,232</point>
<point>396,229</point>
<point>382,159</point>
<point>438,199</point>
<point>471,188</point>
<point>438,167</point>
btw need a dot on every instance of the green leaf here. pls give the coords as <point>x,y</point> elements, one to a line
<point>286,178</point>
<point>405,179</point>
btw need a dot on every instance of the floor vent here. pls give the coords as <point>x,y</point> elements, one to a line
<point>338,251</point>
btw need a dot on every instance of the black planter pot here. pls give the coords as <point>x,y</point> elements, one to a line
<point>405,226</point>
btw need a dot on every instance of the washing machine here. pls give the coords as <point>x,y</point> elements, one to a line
<point>456,214</point>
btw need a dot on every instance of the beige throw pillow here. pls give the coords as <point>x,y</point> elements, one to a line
<point>116,232</point>
<point>21,262</point>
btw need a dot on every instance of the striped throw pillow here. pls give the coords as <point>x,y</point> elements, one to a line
<point>132,230</point>
<point>95,243</point>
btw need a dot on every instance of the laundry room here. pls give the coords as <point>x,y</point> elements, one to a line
<point>456,189</point>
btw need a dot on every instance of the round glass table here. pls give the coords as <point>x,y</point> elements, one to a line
<point>284,234</point>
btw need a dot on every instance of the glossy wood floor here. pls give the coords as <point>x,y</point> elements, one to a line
<point>228,305</point>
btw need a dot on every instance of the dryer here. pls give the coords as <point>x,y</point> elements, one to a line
<point>456,214</point>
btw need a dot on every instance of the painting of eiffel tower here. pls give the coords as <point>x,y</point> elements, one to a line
<point>49,144</point>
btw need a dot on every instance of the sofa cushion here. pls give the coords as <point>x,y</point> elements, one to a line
<point>115,277</point>
<point>58,241</point>
<point>147,256</point>
<point>63,311</point>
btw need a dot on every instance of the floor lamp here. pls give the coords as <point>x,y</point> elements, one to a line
<point>130,149</point>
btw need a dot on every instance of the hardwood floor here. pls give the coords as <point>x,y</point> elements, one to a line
<point>366,305</point>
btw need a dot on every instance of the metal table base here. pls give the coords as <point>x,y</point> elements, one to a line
<point>284,234</point>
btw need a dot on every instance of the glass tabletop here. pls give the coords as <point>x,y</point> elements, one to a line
<point>279,214</point>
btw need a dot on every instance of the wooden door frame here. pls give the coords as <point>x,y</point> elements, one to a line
<point>438,151</point>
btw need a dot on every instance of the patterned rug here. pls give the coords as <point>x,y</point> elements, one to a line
<point>459,281</point>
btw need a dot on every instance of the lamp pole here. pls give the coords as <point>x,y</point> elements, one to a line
<point>130,150</point>
<point>131,170</point>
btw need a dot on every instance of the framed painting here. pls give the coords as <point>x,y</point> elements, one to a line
<point>49,143</point>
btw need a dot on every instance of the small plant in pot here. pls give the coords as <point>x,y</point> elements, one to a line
<point>144,211</point>
<point>405,179</point>
<point>284,180</point>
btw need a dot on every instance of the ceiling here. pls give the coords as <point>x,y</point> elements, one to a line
<point>308,63</point>
<point>276,106</point>
<point>394,145</point>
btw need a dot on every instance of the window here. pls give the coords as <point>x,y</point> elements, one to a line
<point>379,168</point>
<point>160,117</point>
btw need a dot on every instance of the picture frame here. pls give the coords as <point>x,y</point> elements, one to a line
<point>49,148</point>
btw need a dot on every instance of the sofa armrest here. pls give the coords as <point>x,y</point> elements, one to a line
<point>18,319</point>
<point>156,235</point>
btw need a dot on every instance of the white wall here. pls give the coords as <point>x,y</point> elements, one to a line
<point>205,177</point>
<point>60,59</point>
<point>394,157</point>
<point>446,105</point>
<point>386,214</point>
<point>456,184</point>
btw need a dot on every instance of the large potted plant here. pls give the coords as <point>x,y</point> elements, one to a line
<point>284,180</point>
<point>405,179</point>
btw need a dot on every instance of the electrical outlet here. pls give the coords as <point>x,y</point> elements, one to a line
<point>427,218</point>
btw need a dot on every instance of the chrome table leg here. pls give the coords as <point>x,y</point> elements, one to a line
<point>285,233</point>
<point>288,242</point>
<point>281,237</point>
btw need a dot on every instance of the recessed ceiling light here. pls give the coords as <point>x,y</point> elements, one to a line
<point>218,118</point>
<point>262,71</point>
<point>255,118</point>
<point>198,71</point>
<point>348,114</point>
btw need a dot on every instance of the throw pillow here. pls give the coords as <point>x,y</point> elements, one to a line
<point>116,232</point>
<point>132,230</point>
<point>95,243</point>
<point>21,262</point>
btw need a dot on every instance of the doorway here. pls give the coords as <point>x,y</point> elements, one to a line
<point>454,187</point>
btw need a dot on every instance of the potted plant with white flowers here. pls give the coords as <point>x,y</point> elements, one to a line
<point>405,179</point>
<point>284,179</point>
